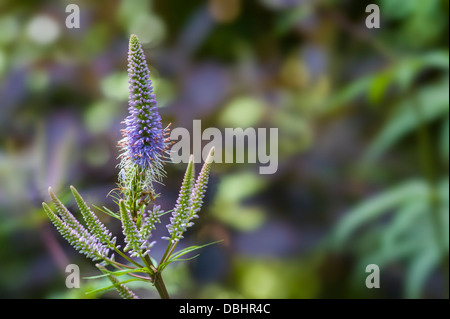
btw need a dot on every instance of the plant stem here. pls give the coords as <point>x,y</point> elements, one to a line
<point>129,273</point>
<point>163,259</point>
<point>126,257</point>
<point>158,282</point>
<point>156,278</point>
<point>171,251</point>
<point>140,277</point>
<point>160,286</point>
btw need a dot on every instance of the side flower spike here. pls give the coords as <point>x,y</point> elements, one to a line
<point>132,235</point>
<point>198,193</point>
<point>190,199</point>
<point>149,221</point>
<point>181,211</point>
<point>97,228</point>
<point>82,242</point>
<point>124,291</point>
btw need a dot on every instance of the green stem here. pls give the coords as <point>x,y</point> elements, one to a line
<point>163,259</point>
<point>160,286</point>
<point>147,261</point>
<point>132,274</point>
<point>158,282</point>
<point>133,196</point>
<point>126,257</point>
<point>117,264</point>
<point>171,251</point>
<point>140,277</point>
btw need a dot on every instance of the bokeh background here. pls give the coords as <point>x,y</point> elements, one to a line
<point>363,119</point>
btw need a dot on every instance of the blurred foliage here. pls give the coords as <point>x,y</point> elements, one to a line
<point>363,140</point>
<point>231,192</point>
<point>417,229</point>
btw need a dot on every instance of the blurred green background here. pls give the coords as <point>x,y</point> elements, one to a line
<point>363,119</point>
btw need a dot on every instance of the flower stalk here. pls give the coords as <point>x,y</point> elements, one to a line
<point>144,151</point>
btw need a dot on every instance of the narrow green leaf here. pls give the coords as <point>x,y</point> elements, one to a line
<point>184,259</point>
<point>107,211</point>
<point>429,104</point>
<point>191,248</point>
<point>114,286</point>
<point>165,212</point>
<point>346,95</point>
<point>118,273</point>
<point>405,218</point>
<point>419,271</point>
<point>175,256</point>
<point>373,208</point>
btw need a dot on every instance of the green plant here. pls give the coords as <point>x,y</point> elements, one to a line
<point>144,150</point>
<point>408,222</point>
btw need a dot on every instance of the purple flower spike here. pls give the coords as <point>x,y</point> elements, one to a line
<point>145,141</point>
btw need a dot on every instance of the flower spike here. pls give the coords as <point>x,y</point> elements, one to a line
<point>144,142</point>
<point>190,199</point>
